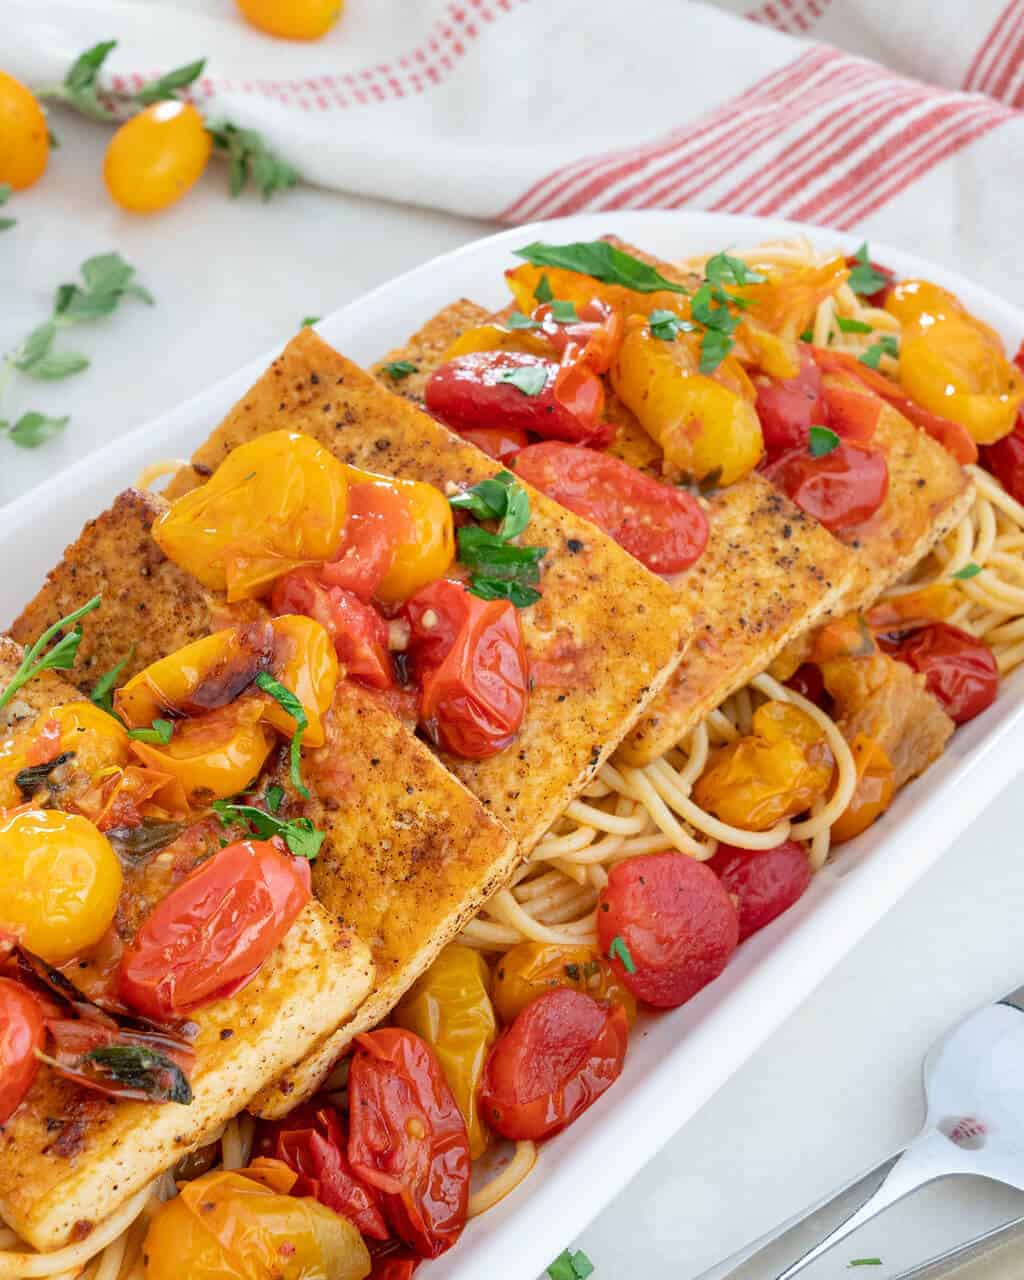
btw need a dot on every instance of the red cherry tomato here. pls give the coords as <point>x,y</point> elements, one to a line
<point>497,442</point>
<point>1005,459</point>
<point>408,1138</point>
<point>663,526</point>
<point>958,669</point>
<point>789,407</point>
<point>209,936</point>
<point>359,632</point>
<point>876,299</point>
<point>851,411</point>
<point>559,1055</point>
<point>379,520</point>
<point>469,659</point>
<point>839,489</point>
<point>392,1266</point>
<point>765,881</point>
<point>808,681</point>
<point>676,921</point>
<point>311,1140</point>
<point>473,391</point>
<point>22,1034</point>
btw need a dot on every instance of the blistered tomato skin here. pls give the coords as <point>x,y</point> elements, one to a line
<point>562,1052</point>
<point>529,969</point>
<point>24,137</point>
<point>90,739</point>
<point>60,881</point>
<point>663,526</point>
<point>765,882</point>
<point>789,407</point>
<point>22,1035</point>
<point>839,489</point>
<point>497,442</point>
<point>156,157</point>
<point>209,936</point>
<point>960,670</point>
<point>676,921</point>
<point>215,755</point>
<point>873,793</point>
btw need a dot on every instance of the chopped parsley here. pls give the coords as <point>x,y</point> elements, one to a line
<point>290,704</point>
<point>571,1266</point>
<point>847,324</point>
<point>564,312</point>
<point>619,951</point>
<point>516,320</point>
<point>161,732</point>
<point>399,369</point>
<point>667,326</point>
<point>865,1262</point>
<point>724,269</point>
<point>543,291</point>
<point>712,307</point>
<point>863,278</point>
<point>970,570</point>
<point>530,379</point>
<point>887,345</point>
<point>807,335</point>
<point>822,441</point>
<point>61,657</point>
<point>274,797</point>
<point>602,261</point>
<point>299,834</point>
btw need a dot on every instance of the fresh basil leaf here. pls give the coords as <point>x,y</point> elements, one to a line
<point>61,657</point>
<point>714,347</point>
<point>543,291</point>
<point>299,834</point>
<point>274,797</point>
<point>57,365</point>
<point>399,369</point>
<point>887,345</point>
<point>571,1266</point>
<point>603,262</point>
<point>564,312</point>
<point>496,589</point>
<point>33,429</point>
<point>516,320</point>
<point>530,379</point>
<point>308,320</point>
<point>31,778</point>
<point>667,326</point>
<point>145,1070</point>
<point>35,346</point>
<point>822,441</point>
<point>725,269</point>
<point>619,951</point>
<point>135,843</point>
<point>710,307</point>
<point>847,324</point>
<point>970,570</point>
<point>167,85</point>
<point>863,278</point>
<point>161,732</point>
<point>492,557</point>
<point>291,705</point>
<point>807,335</point>
<point>498,497</point>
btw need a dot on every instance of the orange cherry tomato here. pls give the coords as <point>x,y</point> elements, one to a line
<point>24,137</point>
<point>60,881</point>
<point>22,1035</point>
<point>529,969</point>
<point>158,155</point>
<point>89,738</point>
<point>208,937</point>
<point>274,504</point>
<point>873,792</point>
<point>292,19</point>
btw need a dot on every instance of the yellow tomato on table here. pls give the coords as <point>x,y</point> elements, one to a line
<point>292,19</point>
<point>59,882</point>
<point>155,157</point>
<point>24,137</point>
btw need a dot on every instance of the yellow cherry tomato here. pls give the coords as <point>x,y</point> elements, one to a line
<point>495,337</point>
<point>274,504</point>
<point>531,968</point>
<point>705,425</point>
<point>572,286</point>
<point>919,304</point>
<point>225,1225</point>
<point>155,157</point>
<point>873,792</point>
<point>24,137</point>
<point>59,882</point>
<point>292,19</point>
<point>306,663</point>
<point>214,755</point>
<point>431,549</point>
<point>449,1008</point>
<point>93,739</point>
<point>775,772</point>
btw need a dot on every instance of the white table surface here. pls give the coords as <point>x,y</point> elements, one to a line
<point>837,1087</point>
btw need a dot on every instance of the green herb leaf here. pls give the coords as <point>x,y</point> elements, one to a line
<point>847,324</point>
<point>571,1266</point>
<point>807,336</point>
<point>822,441</point>
<point>33,776</point>
<point>299,834</point>
<point>103,690</point>
<point>33,429</point>
<point>274,797</point>
<point>714,347</point>
<point>79,89</point>
<point>530,379</point>
<point>5,194</point>
<point>59,658</point>
<point>601,260</point>
<point>399,369</point>
<point>516,320</point>
<point>35,346</point>
<point>293,707</point>
<point>865,1262</point>
<point>970,570</point>
<point>57,365</point>
<point>619,951</point>
<point>864,279</point>
<point>250,159</point>
<point>308,320</point>
<point>724,269</point>
<point>491,556</point>
<point>144,1070</point>
<point>543,291</point>
<point>150,836</point>
<point>887,345</point>
<point>667,326</point>
<point>167,85</point>
<point>498,497</point>
<point>564,312</point>
<point>161,732</point>
<point>495,589</point>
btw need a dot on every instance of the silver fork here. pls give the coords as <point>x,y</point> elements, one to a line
<point>974,1088</point>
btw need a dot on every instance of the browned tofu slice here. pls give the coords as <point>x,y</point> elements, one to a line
<point>69,1157</point>
<point>602,641</point>
<point>427,346</point>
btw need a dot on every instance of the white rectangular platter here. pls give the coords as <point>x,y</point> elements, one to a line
<point>676,1060</point>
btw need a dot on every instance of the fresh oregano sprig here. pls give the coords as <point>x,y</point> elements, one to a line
<point>5,195</point>
<point>61,657</point>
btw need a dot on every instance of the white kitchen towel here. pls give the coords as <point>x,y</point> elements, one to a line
<point>904,119</point>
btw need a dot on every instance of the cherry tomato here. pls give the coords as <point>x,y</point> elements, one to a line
<point>501,443</point>
<point>274,504</point>
<point>840,489</point>
<point>22,1035</point>
<point>292,19</point>
<point>311,1141</point>
<point>873,792</point>
<point>359,632</point>
<point>226,1225</point>
<point>391,1266</point>
<point>765,882</point>
<point>789,407</point>
<point>474,391</point>
<point>561,1053</point>
<point>60,881</point>
<point>663,526</point>
<point>852,411</point>
<point>958,669</point>
<point>91,740</point>
<point>210,935</point>
<point>808,681</point>
<point>408,1138</point>
<point>306,663</point>
<point>24,136</point>
<point>529,969</point>
<point>876,299</point>
<point>1005,459</point>
<point>155,157</point>
<point>470,662</point>
<point>378,520</point>
<point>676,922</point>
